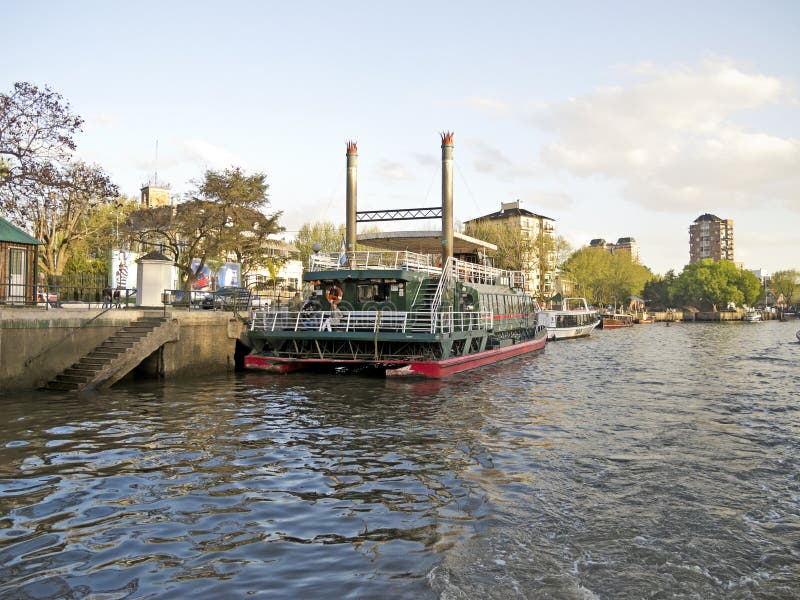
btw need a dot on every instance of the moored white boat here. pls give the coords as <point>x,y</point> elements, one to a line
<point>751,316</point>
<point>573,319</point>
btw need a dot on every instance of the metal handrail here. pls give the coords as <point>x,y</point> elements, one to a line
<point>69,335</point>
<point>370,321</point>
<point>447,273</point>
<point>375,259</point>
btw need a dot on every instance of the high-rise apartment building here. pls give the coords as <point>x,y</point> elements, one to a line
<point>627,244</point>
<point>710,237</point>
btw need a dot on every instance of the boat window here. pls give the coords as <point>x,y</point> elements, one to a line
<point>367,292</point>
<point>378,290</point>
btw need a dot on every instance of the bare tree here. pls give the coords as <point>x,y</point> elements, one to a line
<point>36,139</point>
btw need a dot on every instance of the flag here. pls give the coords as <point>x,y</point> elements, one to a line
<point>342,254</point>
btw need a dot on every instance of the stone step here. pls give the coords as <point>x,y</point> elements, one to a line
<point>131,335</point>
<point>87,362</point>
<point>88,367</point>
<point>63,378</point>
<point>138,328</point>
<point>81,372</point>
<point>110,354</point>
<point>56,386</point>
<point>117,345</point>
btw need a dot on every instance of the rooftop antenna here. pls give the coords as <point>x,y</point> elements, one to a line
<point>155,181</point>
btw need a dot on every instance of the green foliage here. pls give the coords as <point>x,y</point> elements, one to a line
<point>786,283</point>
<point>326,234</point>
<point>225,219</point>
<point>606,278</point>
<point>90,253</point>
<point>715,284</point>
<point>515,252</point>
<point>518,252</point>
<point>60,216</point>
<point>657,291</point>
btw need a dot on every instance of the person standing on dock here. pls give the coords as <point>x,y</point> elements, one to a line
<point>296,303</point>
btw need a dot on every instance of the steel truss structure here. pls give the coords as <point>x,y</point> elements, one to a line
<point>403,214</point>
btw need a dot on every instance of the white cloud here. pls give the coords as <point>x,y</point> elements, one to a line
<point>97,121</point>
<point>671,138</point>
<point>490,106</point>
<point>538,201</point>
<point>488,159</point>
<point>211,156</point>
<point>393,171</point>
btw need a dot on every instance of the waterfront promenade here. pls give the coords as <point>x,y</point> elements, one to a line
<point>37,344</point>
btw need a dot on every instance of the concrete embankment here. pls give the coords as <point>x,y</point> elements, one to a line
<point>36,345</point>
<point>720,315</point>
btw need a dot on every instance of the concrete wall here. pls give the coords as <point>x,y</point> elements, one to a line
<point>36,345</point>
<point>663,315</point>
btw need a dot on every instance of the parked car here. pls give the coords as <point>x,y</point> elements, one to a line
<point>226,298</point>
<point>260,302</point>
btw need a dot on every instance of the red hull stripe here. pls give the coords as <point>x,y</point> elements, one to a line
<point>431,369</point>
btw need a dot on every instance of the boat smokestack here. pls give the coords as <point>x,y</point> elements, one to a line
<point>447,195</point>
<point>352,196</point>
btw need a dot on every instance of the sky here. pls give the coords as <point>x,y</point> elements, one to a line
<point>616,119</point>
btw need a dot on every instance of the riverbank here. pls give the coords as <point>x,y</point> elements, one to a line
<point>36,345</point>
<point>709,316</point>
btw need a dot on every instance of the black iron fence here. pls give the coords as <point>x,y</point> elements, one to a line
<point>229,298</point>
<point>58,296</point>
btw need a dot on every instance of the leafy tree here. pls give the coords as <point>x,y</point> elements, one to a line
<point>224,218</point>
<point>540,254</point>
<point>657,290</point>
<point>36,140</point>
<point>326,234</point>
<point>91,252</point>
<point>786,283</point>
<point>710,283</point>
<point>515,251</point>
<point>247,228</point>
<point>606,277</point>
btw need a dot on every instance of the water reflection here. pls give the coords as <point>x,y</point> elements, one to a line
<point>177,487</point>
<point>654,460</point>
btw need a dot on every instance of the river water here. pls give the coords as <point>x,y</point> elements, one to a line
<point>653,462</point>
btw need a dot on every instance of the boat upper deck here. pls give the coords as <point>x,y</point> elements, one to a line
<point>427,264</point>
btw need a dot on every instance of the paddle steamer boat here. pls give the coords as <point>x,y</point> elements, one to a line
<point>401,309</point>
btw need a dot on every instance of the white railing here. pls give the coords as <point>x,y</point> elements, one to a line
<point>447,273</point>
<point>476,273</point>
<point>412,261</point>
<point>375,321</point>
<point>375,260</point>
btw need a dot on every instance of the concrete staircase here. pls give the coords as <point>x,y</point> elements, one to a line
<point>117,356</point>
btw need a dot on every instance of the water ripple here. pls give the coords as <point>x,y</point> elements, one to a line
<point>652,462</point>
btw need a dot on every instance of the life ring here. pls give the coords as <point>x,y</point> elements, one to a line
<point>334,294</point>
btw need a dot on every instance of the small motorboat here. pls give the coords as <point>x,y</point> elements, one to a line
<point>752,316</point>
